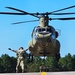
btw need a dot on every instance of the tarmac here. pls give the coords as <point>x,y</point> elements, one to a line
<point>41,73</point>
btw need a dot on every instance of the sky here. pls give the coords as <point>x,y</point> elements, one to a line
<point>15,36</point>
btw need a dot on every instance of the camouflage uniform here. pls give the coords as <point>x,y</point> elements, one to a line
<point>20,58</point>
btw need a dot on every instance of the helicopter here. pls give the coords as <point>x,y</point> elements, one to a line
<point>44,37</point>
<point>44,40</point>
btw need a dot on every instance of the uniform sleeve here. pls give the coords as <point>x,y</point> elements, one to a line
<point>14,51</point>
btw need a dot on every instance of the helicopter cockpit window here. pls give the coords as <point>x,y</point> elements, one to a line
<point>53,36</point>
<point>43,30</point>
<point>39,30</point>
<point>49,30</point>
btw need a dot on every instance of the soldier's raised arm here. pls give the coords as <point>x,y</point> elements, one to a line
<point>26,49</point>
<point>12,50</point>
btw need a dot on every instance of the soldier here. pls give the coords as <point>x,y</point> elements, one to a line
<point>20,58</point>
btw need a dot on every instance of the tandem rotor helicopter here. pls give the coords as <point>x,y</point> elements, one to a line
<point>44,37</point>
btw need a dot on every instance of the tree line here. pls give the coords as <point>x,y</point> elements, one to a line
<point>67,63</point>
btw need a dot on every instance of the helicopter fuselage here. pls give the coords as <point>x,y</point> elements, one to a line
<point>44,42</point>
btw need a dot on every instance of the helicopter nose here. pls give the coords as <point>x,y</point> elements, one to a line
<point>43,35</point>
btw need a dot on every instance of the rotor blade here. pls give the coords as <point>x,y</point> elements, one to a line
<point>25,22</point>
<point>11,13</point>
<point>15,9</point>
<point>63,13</point>
<point>22,11</point>
<point>62,9</point>
<point>47,13</point>
<point>69,18</point>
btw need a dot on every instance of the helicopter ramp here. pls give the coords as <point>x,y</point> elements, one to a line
<point>40,73</point>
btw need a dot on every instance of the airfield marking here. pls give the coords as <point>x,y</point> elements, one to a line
<point>43,73</point>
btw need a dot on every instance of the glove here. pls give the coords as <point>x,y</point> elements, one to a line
<point>9,48</point>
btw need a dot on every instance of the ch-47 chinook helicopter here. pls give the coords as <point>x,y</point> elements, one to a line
<point>44,37</point>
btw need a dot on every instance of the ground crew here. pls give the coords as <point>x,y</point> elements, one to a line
<point>20,59</point>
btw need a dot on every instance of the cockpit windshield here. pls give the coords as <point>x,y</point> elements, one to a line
<point>43,30</point>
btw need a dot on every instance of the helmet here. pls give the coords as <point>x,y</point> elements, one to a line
<point>20,48</point>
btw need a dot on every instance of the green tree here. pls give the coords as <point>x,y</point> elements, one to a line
<point>1,67</point>
<point>52,64</point>
<point>8,63</point>
<point>66,63</point>
<point>33,66</point>
<point>73,62</point>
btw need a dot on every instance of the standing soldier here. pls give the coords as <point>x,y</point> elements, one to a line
<point>20,58</point>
